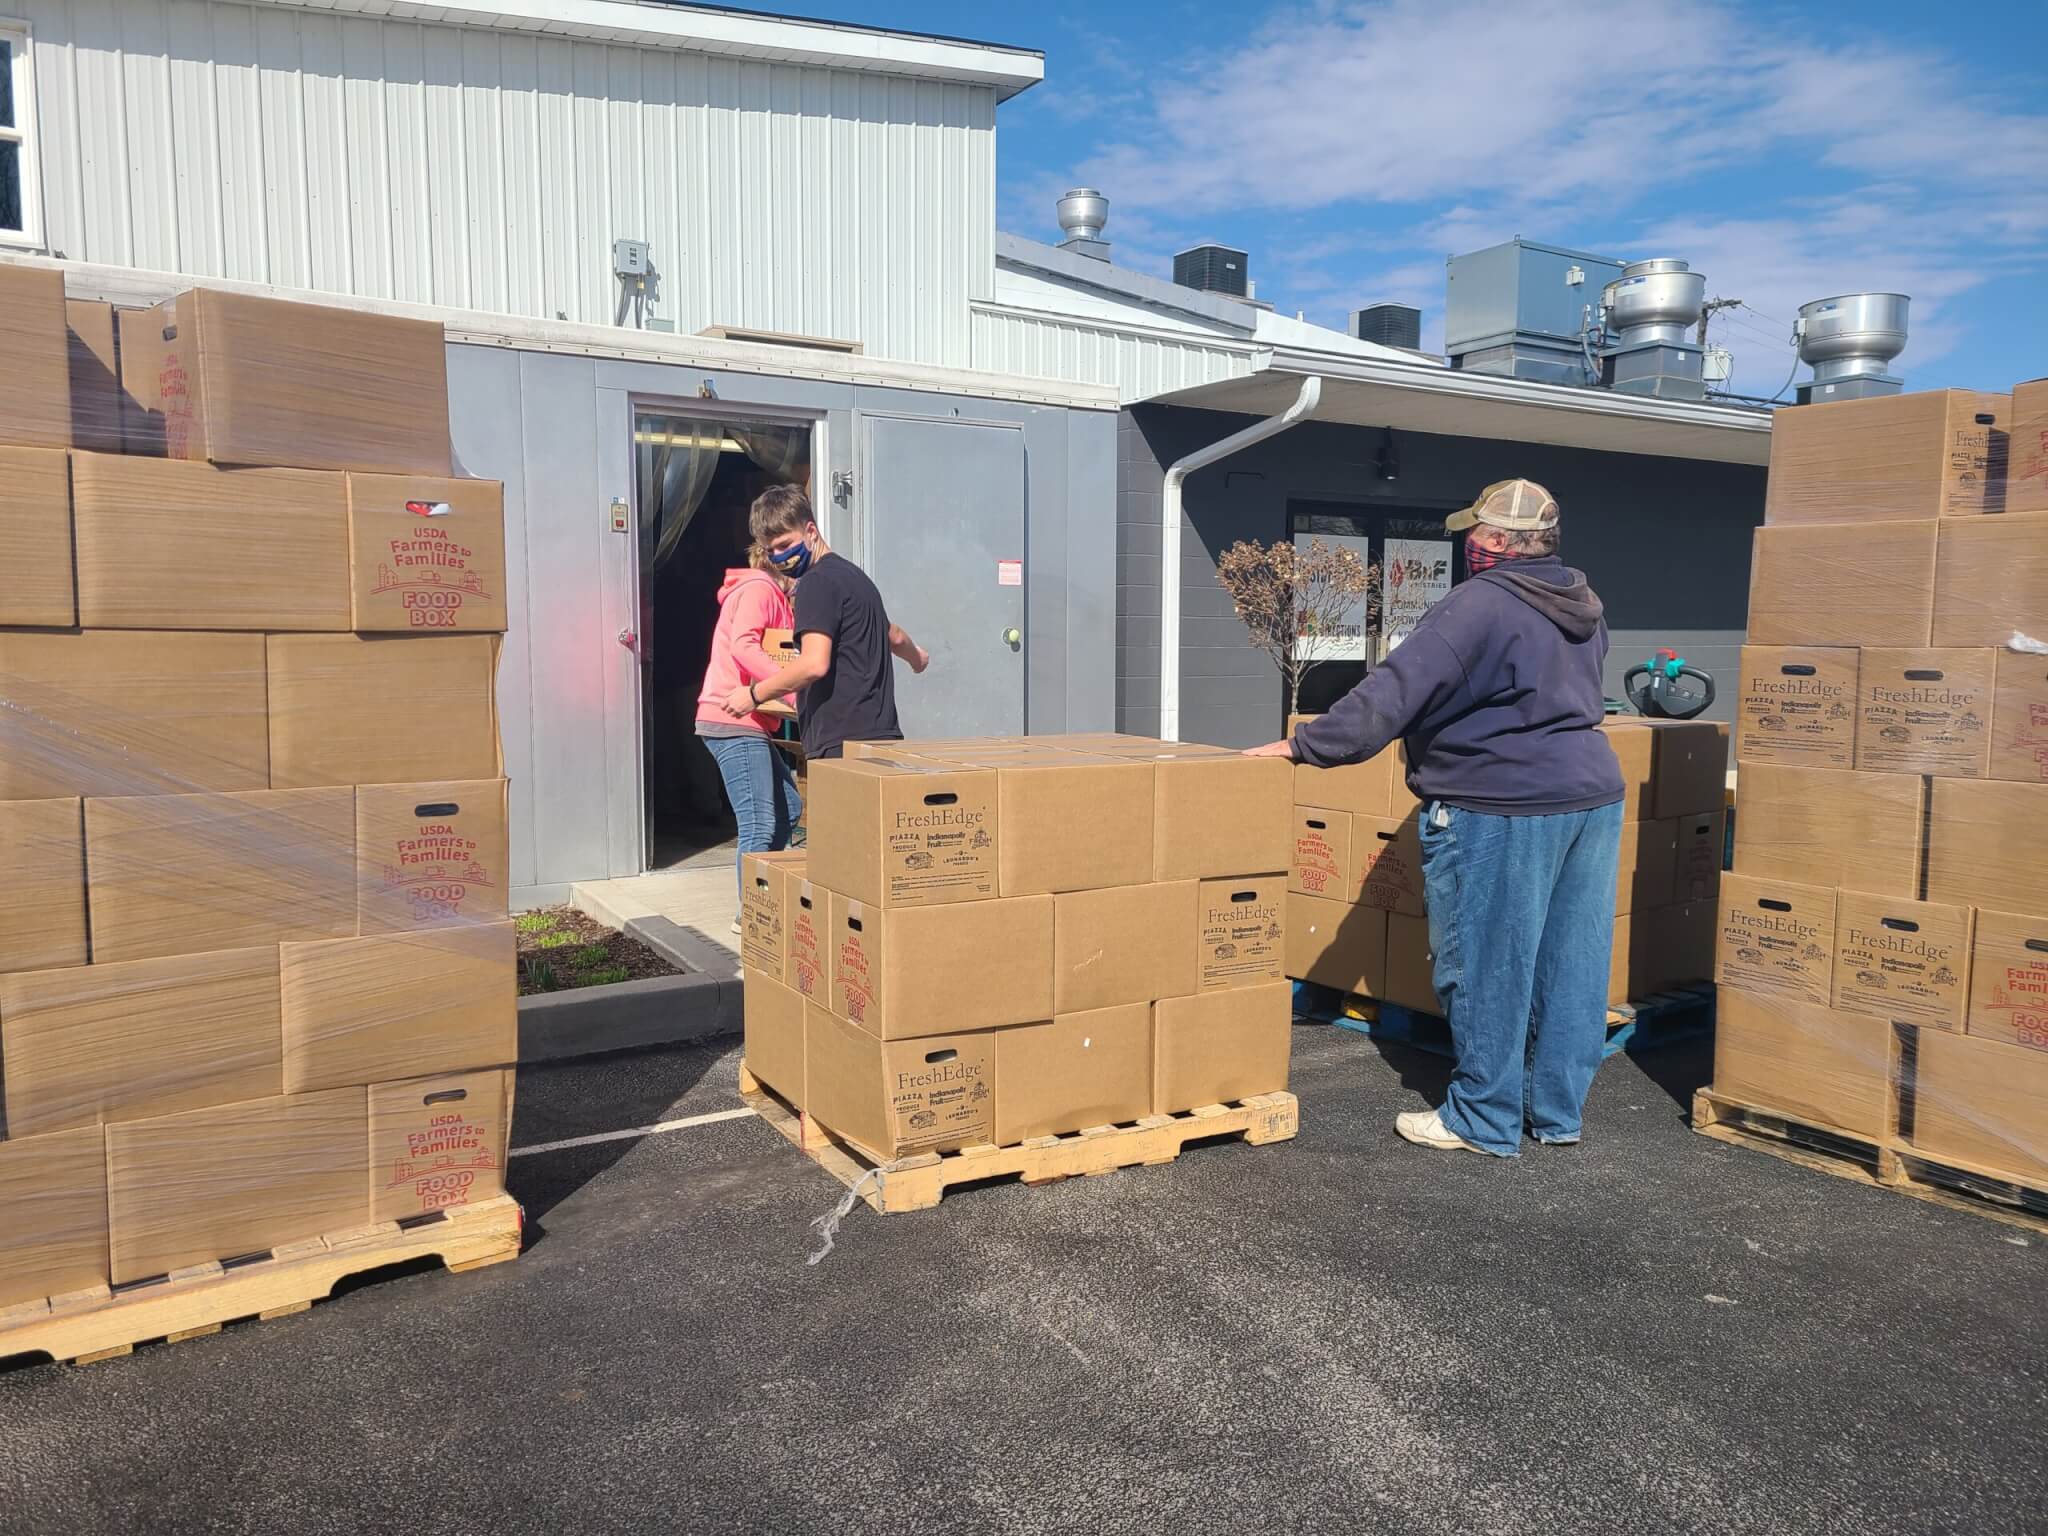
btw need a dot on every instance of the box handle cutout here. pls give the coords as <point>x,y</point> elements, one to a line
<point>447,1096</point>
<point>1320,826</point>
<point>854,924</point>
<point>1986,419</point>
<point>1900,924</point>
<point>2038,946</point>
<point>949,1054</point>
<point>760,883</point>
<point>1387,837</point>
<point>1798,669</point>
<point>1243,896</point>
<point>942,799</point>
<point>437,809</point>
<point>170,333</point>
<point>1772,904</point>
<point>804,902</point>
<point>1923,675</point>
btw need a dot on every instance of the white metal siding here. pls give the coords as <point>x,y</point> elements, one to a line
<point>486,170</point>
<point>1138,365</point>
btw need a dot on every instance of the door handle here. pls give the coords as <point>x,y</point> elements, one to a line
<point>1013,638</point>
<point>630,641</point>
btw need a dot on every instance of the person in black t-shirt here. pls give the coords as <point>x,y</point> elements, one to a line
<point>844,637</point>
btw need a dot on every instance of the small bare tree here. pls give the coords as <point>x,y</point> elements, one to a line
<point>1295,601</point>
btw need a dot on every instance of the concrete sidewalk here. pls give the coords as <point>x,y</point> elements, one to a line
<point>684,914</point>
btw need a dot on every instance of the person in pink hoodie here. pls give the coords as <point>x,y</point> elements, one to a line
<point>757,776</point>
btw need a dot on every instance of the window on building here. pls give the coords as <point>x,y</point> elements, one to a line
<point>19,220</point>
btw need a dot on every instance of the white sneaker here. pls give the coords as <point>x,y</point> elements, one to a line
<point>736,925</point>
<point>1425,1127</point>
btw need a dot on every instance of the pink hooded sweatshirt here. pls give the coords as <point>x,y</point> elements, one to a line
<point>750,601</point>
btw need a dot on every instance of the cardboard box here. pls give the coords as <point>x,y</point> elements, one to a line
<point>1243,926</point>
<point>765,883</point>
<point>53,1215</point>
<point>1776,936</point>
<point>897,832</point>
<point>2019,719</point>
<point>1844,584</point>
<point>1411,965</point>
<point>139,342</point>
<point>1797,705</point>
<point>1647,868</point>
<point>1321,865</point>
<point>1220,1047</point>
<point>35,538</point>
<point>1078,1070</point>
<point>1935,453</point>
<point>95,376</point>
<point>809,971</point>
<point>1813,1064</point>
<point>94,1044</point>
<point>1369,788</point>
<point>131,713</point>
<point>1700,845</point>
<point>1681,952</point>
<point>891,1098</point>
<point>1129,944</point>
<point>42,884</point>
<point>236,379</point>
<point>1386,864</point>
<point>1990,580</point>
<point>383,709</point>
<point>1690,773</point>
<point>904,972</point>
<point>1073,822</point>
<point>1987,845</point>
<point>2026,476</point>
<point>1635,750</point>
<point>1220,814</point>
<point>184,874</point>
<point>774,1023</point>
<point>1627,966</point>
<point>1908,961</point>
<point>166,545</point>
<point>35,385</point>
<point>1924,711</point>
<point>235,1179</point>
<point>362,1011</point>
<point>426,555</point>
<point>438,1142</point>
<point>1816,826</point>
<point>1336,944</point>
<point>432,855</point>
<point>1978,1104</point>
<point>2009,979</point>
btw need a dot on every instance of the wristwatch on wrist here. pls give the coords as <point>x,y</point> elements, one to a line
<point>753,696</point>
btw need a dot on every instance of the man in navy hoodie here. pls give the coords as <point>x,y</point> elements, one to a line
<point>1497,692</point>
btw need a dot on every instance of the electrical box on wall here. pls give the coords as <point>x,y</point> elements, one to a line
<point>629,258</point>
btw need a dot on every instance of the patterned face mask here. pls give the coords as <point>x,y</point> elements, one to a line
<point>1478,558</point>
<point>792,562</point>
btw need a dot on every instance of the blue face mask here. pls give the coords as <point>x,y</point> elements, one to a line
<point>792,562</point>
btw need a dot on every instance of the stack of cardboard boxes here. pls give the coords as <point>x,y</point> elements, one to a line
<point>1357,918</point>
<point>257,973</point>
<point>1884,944</point>
<point>989,941</point>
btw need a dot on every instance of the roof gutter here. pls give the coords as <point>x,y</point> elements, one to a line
<point>1169,540</point>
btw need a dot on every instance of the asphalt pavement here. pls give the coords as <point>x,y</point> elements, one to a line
<point>1651,1332</point>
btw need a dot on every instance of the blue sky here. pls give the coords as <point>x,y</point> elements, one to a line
<point>1789,152</point>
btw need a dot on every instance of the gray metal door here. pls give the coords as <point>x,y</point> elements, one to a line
<point>944,525</point>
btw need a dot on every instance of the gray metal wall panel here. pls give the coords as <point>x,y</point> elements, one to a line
<point>571,649</point>
<point>1666,543</point>
<point>1091,571</point>
<point>1048,557</point>
<point>486,423</point>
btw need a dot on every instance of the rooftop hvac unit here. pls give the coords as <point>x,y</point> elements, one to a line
<point>1523,310</point>
<point>1212,269</point>
<point>1850,340</point>
<point>1388,325</point>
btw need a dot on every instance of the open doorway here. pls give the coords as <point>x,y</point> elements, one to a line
<point>697,477</point>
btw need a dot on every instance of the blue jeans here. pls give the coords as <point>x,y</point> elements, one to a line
<point>762,789</point>
<point>1521,916</point>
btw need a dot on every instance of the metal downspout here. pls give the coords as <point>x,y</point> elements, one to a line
<point>1169,541</point>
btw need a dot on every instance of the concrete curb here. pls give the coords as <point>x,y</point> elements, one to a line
<point>661,1010</point>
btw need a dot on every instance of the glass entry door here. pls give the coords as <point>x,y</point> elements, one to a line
<point>1415,563</point>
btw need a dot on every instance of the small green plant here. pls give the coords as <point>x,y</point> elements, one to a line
<point>609,975</point>
<point>534,922</point>
<point>556,941</point>
<point>542,976</point>
<point>591,954</point>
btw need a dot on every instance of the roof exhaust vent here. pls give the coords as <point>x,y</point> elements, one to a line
<point>1083,214</point>
<point>1850,340</point>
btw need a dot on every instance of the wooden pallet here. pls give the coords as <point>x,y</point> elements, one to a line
<point>100,1323</point>
<point>1888,1162</point>
<point>1663,1018</point>
<point>918,1182</point>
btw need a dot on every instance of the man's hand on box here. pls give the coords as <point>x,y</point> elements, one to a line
<point>1273,749</point>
